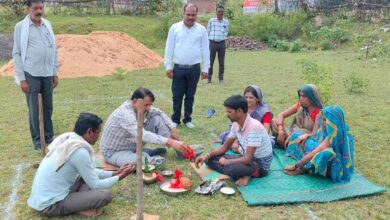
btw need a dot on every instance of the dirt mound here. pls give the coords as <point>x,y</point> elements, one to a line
<point>98,54</point>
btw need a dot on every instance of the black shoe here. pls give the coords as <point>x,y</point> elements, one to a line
<point>155,151</point>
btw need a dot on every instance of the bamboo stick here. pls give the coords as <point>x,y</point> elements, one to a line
<point>41,126</point>
<point>140,184</point>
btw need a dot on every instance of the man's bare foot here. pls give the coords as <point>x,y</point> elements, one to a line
<point>243,181</point>
<point>91,213</point>
<point>293,172</point>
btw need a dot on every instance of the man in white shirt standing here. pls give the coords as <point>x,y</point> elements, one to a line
<point>187,46</point>
<point>218,29</point>
<point>36,64</point>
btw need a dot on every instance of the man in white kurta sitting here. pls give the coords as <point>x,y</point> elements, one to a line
<point>66,181</point>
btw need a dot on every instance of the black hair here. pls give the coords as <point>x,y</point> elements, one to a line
<point>29,2</point>
<point>86,121</point>
<point>219,6</point>
<point>190,5</point>
<point>251,90</point>
<point>236,102</point>
<point>141,92</point>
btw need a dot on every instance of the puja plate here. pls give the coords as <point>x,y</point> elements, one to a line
<point>166,188</point>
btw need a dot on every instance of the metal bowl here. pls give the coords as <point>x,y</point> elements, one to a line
<point>149,179</point>
<point>167,173</point>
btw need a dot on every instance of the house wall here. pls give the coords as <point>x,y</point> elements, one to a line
<point>204,6</point>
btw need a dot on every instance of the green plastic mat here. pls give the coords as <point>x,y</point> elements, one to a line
<point>279,188</point>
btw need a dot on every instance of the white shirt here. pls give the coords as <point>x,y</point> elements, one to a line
<point>187,46</point>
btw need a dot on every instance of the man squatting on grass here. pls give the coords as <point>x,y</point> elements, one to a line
<point>66,181</point>
<point>119,139</point>
<point>254,146</point>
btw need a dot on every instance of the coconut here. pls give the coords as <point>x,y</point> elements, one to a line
<point>185,182</point>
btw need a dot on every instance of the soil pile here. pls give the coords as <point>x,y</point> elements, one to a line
<point>98,54</point>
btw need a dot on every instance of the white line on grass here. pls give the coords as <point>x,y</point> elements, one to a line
<point>311,214</point>
<point>13,197</point>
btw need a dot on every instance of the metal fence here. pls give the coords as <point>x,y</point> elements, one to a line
<point>95,6</point>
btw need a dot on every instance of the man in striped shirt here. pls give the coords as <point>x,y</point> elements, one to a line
<point>119,140</point>
<point>218,29</point>
<point>255,149</point>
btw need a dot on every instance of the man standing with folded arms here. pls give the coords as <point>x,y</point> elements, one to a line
<point>218,29</point>
<point>187,46</point>
<point>36,64</point>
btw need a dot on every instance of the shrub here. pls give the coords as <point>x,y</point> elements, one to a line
<point>354,83</point>
<point>283,45</point>
<point>119,73</point>
<point>14,7</point>
<point>268,27</point>
<point>378,49</point>
<point>307,29</point>
<point>328,38</point>
<point>320,76</point>
<point>359,40</point>
<point>169,17</point>
<point>296,46</point>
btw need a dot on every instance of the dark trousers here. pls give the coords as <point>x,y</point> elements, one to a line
<point>220,48</point>
<point>184,83</point>
<point>236,170</point>
<point>43,85</point>
<point>80,198</point>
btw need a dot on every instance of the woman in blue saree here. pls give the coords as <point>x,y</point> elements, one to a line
<point>329,152</point>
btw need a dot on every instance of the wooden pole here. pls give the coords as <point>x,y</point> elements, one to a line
<point>140,183</point>
<point>41,126</point>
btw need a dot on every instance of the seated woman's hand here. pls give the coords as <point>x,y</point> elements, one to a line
<point>301,139</point>
<point>286,142</point>
<point>280,138</point>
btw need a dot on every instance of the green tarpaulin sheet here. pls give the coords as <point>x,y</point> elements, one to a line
<point>279,188</point>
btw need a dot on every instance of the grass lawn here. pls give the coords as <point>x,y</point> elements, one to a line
<point>276,73</point>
